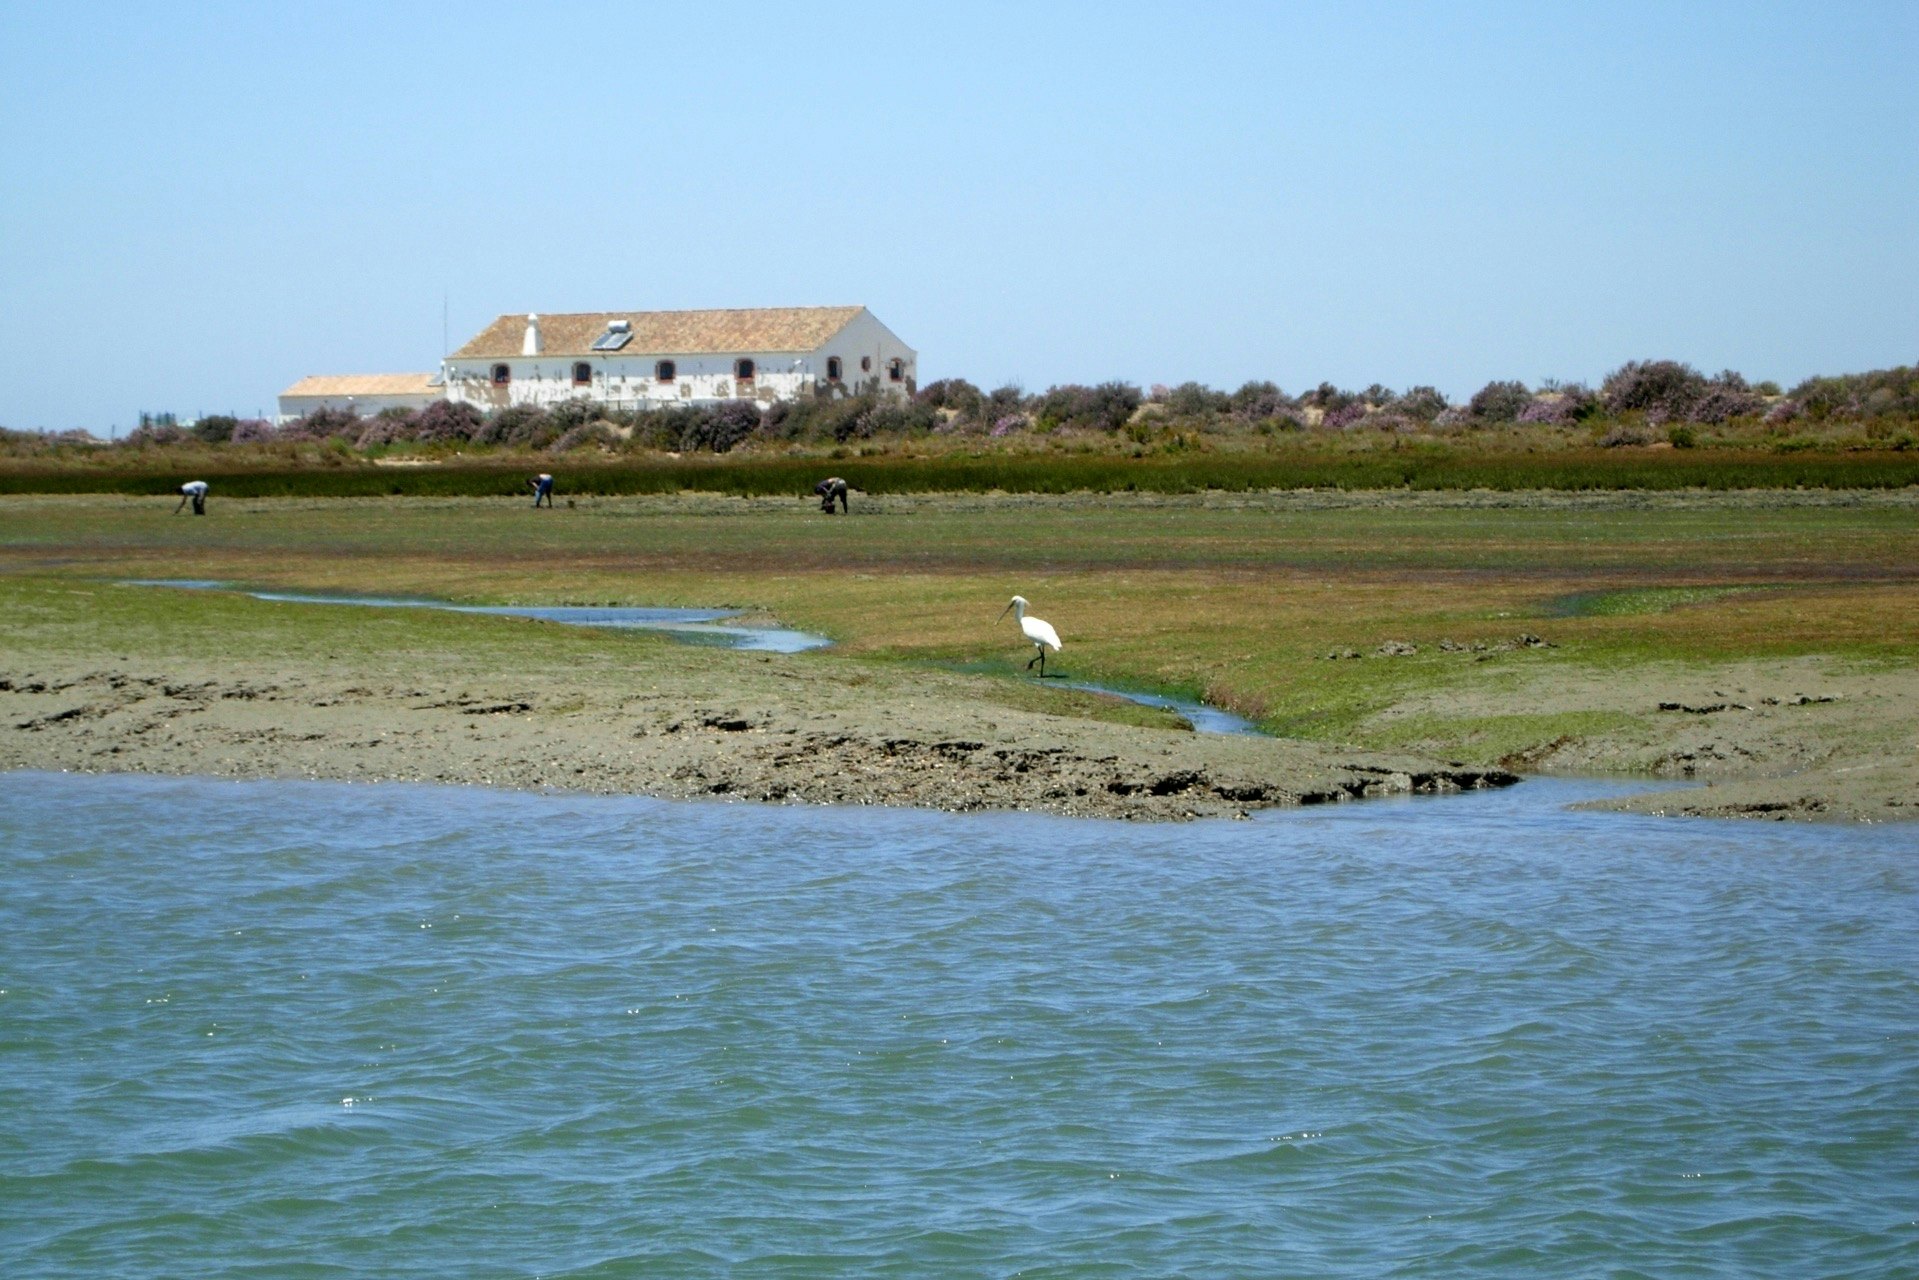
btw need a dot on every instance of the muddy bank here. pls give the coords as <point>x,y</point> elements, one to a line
<point>1805,738</point>
<point>936,745</point>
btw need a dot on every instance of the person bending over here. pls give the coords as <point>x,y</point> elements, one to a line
<point>542,488</point>
<point>194,491</point>
<point>829,489</point>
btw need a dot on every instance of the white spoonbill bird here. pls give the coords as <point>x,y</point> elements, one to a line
<point>1040,633</point>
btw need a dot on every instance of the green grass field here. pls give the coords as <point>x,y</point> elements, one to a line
<point>1239,600</point>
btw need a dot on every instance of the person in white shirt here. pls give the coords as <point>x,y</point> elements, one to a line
<point>194,491</point>
<point>542,488</point>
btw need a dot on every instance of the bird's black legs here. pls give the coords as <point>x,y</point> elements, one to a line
<point>1040,658</point>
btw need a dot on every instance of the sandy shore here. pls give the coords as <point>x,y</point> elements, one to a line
<point>930,742</point>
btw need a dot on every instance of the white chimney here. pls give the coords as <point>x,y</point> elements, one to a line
<point>531,347</point>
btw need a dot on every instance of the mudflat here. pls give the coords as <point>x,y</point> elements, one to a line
<point>1765,645</point>
<point>736,726</point>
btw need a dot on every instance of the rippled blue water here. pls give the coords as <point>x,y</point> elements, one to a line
<point>271,1029</point>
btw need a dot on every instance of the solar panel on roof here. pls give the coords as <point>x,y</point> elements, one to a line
<point>612,340</point>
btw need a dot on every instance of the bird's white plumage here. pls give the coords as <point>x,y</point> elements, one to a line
<point>1039,631</point>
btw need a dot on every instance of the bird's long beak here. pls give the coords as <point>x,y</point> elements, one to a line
<point>1003,612</point>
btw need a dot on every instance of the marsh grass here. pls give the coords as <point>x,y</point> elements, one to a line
<point>1236,601</point>
<point>1332,465</point>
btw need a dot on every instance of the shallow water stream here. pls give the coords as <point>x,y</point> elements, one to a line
<point>691,626</point>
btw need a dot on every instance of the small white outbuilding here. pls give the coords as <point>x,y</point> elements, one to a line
<point>364,394</point>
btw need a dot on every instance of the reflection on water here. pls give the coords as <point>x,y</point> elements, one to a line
<point>691,626</point>
<point>406,1031</point>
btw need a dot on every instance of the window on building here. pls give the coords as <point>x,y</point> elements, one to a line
<point>743,370</point>
<point>896,370</point>
<point>582,373</point>
<point>502,374</point>
<point>832,368</point>
<point>664,371</point>
<point>866,364</point>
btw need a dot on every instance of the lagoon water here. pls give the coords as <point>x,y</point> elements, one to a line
<point>305,1029</point>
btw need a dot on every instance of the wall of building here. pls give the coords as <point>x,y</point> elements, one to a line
<point>625,382</point>
<point>866,350</point>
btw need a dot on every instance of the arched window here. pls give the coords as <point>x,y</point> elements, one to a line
<point>502,374</point>
<point>582,373</point>
<point>743,370</point>
<point>832,368</point>
<point>664,371</point>
<point>896,369</point>
<point>866,364</point>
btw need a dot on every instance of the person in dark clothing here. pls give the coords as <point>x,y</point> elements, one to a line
<point>828,489</point>
<point>542,489</point>
<point>194,491</point>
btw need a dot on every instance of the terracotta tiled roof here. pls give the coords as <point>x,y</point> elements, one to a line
<point>667,332</point>
<point>365,384</point>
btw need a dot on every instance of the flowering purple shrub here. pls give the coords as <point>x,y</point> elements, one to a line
<point>1422,403</point>
<point>1328,397</point>
<point>1881,393</point>
<point>576,412</point>
<point>587,433</point>
<point>215,428</point>
<point>149,434</point>
<point>1105,407</point>
<point>956,394</point>
<point>1626,433</point>
<point>1721,402</point>
<point>1346,415</point>
<point>252,431</point>
<point>1548,410</point>
<point>724,427</point>
<point>1664,390</point>
<point>1007,425</point>
<point>324,424</point>
<point>446,421</point>
<point>1499,401</point>
<point>1783,412</point>
<point>382,430</point>
<point>1260,402</point>
<point>1196,399</point>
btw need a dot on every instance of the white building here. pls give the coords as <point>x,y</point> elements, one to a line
<point>650,359</point>
<point>362,393</point>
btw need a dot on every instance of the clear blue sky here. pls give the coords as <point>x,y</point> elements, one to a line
<point>201,203</point>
